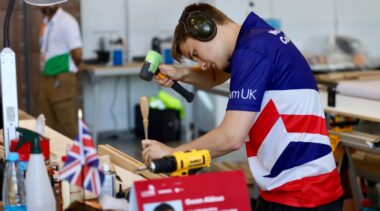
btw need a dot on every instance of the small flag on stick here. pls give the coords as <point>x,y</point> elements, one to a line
<point>82,165</point>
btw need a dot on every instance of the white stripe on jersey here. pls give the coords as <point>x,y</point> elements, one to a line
<point>293,101</point>
<point>323,165</point>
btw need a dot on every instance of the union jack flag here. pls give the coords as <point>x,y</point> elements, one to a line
<point>83,157</point>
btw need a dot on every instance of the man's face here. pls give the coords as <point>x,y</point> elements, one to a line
<point>49,11</point>
<point>211,54</point>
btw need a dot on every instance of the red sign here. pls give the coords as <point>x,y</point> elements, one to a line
<point>202,192</point>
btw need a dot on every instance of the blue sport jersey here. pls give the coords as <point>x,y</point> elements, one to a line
<point>288,150</point>
<point>264,59</point>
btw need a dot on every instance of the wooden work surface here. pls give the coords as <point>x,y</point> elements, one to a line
<point>356,93</point>
<point>335,77</point>
<point>124,165</point>
<point>93,67</point>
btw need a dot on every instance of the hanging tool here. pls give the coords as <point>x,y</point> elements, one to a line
<point>150,68</point>
<point>180,163</point>
<point>144,107</point>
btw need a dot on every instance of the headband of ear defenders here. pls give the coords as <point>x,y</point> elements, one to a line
<point>198,25</point>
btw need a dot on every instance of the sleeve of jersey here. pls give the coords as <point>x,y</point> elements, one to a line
<point>73,37</point>
<point>251,74</point>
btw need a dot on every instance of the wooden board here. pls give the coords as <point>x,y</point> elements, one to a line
<point>22,115</point>
<point>360,137</point>
<point>127,162</point>
<point>337,111</point>
<point>90,67</point>
<point>335,77</point>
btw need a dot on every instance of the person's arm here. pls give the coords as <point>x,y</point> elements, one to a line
<point>228,137</point>
<point>73,41</point>
<point>76,54</point>
<point>203,79</point>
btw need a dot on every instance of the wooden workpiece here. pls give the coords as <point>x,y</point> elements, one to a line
<point>127,162</point>
<point>92,67</point>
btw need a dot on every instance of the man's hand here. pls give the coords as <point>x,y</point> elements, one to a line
<point>172,73</point>
<point>153,149</point>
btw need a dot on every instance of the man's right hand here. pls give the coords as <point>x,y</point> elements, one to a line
<point>172,73</point>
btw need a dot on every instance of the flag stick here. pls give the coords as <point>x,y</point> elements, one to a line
<point>82,158</point>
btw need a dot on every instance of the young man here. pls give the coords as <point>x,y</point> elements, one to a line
<point>61,55</point>
<point>274,107</point>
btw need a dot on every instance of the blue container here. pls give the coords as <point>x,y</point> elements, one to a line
<point>117,57</point>
<point>167,56</point>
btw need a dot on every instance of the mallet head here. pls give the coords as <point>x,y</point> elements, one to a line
<point>150,66</point>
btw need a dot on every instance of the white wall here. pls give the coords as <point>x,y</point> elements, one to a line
<point>303,19</point>
<point>101,18</point>
<point>140,20</point>
<point>361,18</point>
<point>136,20</point>
<point>158,19</point>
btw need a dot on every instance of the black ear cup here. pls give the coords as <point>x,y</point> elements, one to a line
<point>199,26</point>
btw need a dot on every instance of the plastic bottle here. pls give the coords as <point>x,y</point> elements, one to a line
<point>108,187</point>
<point>40,195</point>
<point>14,197</point>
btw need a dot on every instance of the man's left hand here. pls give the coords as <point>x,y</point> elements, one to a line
<point>153,150</point>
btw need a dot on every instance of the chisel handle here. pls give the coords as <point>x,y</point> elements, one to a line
<point>144,107</point>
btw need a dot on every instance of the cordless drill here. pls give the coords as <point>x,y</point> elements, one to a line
<point>150,68</point>
<point>181,163</point>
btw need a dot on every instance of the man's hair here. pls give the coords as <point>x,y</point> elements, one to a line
<point>180,35</point>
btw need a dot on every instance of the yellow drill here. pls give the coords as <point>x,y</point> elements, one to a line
<point>181,163</point>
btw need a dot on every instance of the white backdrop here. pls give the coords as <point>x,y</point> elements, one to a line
<point>140,20</point>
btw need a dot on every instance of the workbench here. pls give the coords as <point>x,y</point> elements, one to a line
<point>125,166</point>
<point>355,94</point>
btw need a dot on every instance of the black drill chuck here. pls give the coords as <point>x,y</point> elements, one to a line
<point>163,165</point>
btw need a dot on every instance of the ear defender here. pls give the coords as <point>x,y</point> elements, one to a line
<point>199,26</point>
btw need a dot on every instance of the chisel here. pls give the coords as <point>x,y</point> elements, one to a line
<point>144,107</point>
